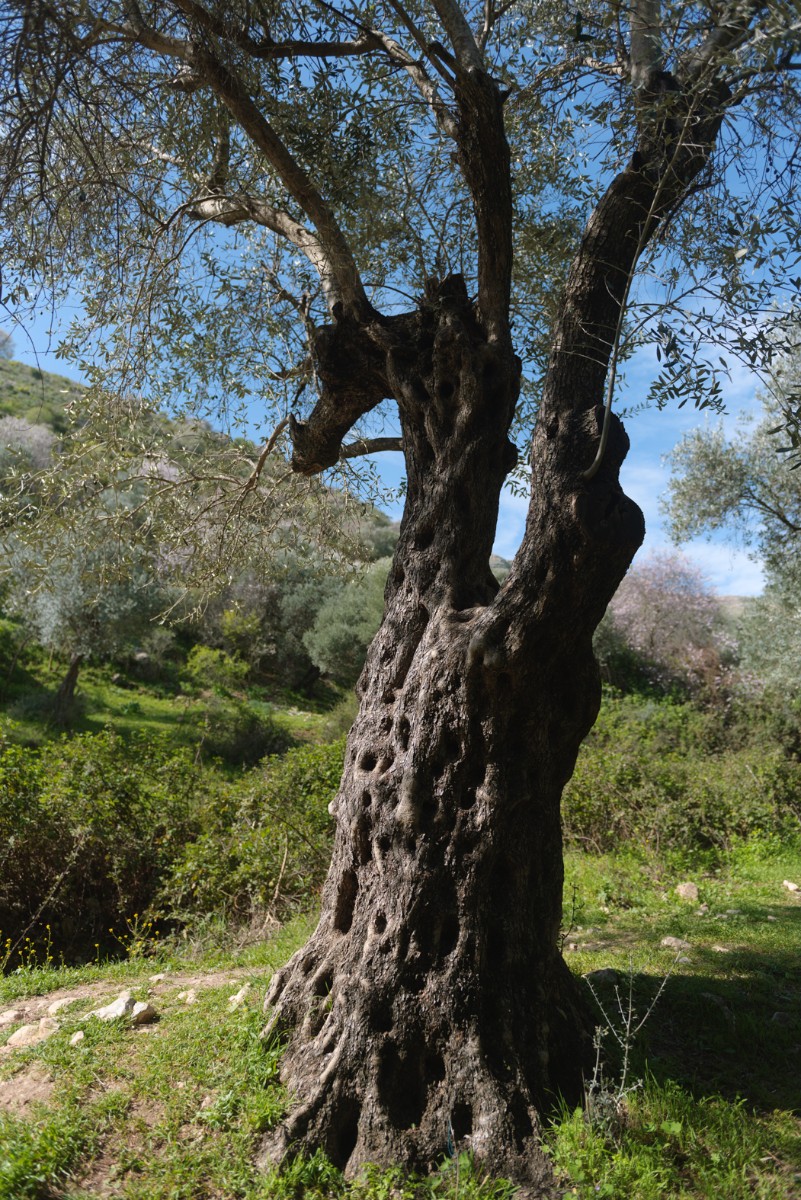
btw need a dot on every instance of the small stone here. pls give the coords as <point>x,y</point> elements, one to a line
<point>687,891</point>
<point>721,949</point>
<point>77,1037</point>
<point>603,975</point>
<point>572,946</point>
<point>158,977</point>
<point>236,1001</point>
<point>674,943</point>
<point>734,912</point>
<point>188,997</point>
<point>770,918</point>
<point>11,1016</point>
<point>703,910</point>
<point>143,1014</point>
<point>782,1018</point>
<point>682,958</point>
<point>31,1035</point>
<point>57,1005</point>
<point>121,1007</point>
<point>789,885</point>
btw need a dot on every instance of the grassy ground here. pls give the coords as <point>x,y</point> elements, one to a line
<point>136,706</point>
<point>708,1105</point>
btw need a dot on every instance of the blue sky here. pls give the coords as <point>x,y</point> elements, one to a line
<point>730,571</point>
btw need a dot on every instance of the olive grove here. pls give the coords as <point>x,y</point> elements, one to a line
<point>438,227</point>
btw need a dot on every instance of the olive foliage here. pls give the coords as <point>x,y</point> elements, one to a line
<point>209,181</point>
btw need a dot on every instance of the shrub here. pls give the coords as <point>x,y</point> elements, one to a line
<point>208,668</point>
<point>90,827</point>
<point>271,851</point>
<point>242,737</point>
<point>664,776</point>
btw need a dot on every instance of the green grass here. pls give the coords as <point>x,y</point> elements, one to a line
<point>709,1107</point>
<point>134,706</point>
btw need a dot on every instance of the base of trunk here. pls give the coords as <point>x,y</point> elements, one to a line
<point>412,1077</point>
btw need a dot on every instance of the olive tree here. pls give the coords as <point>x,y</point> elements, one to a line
<point>747,487</point>
<point>436,226</point>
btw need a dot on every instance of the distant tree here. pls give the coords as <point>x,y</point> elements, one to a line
<point>6,344</point>
<point>743,485</point>
<point>90,599</point>
<point>24,446</point>
<point>666,622</point>
<point>346,623</point>
<point>747,487</point>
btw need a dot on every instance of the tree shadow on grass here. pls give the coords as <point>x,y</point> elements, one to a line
<point>734,1030</point>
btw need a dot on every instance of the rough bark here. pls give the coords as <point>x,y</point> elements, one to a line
<point>431,1007</point>
<point>432,1003</point>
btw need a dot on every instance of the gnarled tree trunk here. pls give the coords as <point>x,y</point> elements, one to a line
<point>432,1004</point>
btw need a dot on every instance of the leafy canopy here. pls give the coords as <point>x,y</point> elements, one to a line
<point>212,180</point>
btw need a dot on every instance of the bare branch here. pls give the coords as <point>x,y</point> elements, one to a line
<point>265,454</point>
<point>235,209</point>
<point>370,446</point>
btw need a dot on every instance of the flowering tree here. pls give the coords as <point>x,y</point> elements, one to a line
<point>665,611</point>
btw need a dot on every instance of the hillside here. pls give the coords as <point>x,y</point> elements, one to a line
<point>38,396</point>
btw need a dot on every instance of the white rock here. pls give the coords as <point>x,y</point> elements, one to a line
<point>789,885</point>
<point>31,1035</point>
<point>687,891</point>
<point>121,1007</point>
<point>674,943</point>
<point>157,978</point>
<point>77,1037</point>
<point>188,997</point>
<point>143,1014</point>
<point>11,1016</point>
<point>721,949</point>
<point>57,1005</point>
<point>236,1001</point>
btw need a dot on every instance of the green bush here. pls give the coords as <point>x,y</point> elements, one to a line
<point>267,853</point>
<point>241,737</point>
<point>90,827</point>
<point>208,668</point>
<point>665,776</point>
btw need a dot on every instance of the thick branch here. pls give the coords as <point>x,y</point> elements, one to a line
<point>425,85</point>
<point>296,180</point>
<point>370,446</point>
<point>646,44</point>
<point>461,36</point>
<point>350,367</point>
<point>485,161</point>
<point>732,30</point>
